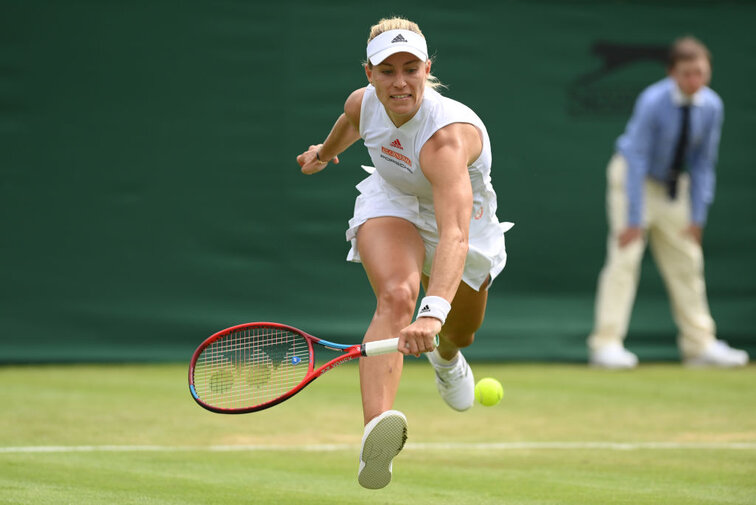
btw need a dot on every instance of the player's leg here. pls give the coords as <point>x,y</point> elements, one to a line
<point>454,377</point>
<point>392,254</point>
<point>468,309</point>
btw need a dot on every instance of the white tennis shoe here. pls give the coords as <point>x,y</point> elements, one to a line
<point>384,438</point>
<point>455,381</point>
<point>613,357</point>
<point>718,354</point>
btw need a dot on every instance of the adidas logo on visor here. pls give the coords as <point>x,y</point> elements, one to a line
<point>399,38</point>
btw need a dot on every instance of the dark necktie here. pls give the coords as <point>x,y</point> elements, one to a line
<point>679,160</point>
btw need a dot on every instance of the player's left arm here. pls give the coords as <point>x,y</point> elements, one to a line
<point>444,159</point>
<point>703,173</point>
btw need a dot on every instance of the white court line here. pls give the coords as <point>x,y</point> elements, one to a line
<point>497,446</point>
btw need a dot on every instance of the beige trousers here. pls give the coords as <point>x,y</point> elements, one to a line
<point>677,255</point>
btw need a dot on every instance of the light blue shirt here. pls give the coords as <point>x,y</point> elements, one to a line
<point>650,139</point>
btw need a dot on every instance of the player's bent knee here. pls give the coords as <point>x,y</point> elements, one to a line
<point>460,340</point>
<point>398,301</point>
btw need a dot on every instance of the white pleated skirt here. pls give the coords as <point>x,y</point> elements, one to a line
<point>486,254</point>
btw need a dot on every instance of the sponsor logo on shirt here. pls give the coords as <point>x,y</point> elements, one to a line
<point>396,155</point>
<point>397,144</point>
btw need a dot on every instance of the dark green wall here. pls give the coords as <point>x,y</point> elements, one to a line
<point>149,193</point>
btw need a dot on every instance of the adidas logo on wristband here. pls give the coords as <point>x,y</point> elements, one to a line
<point>434,306</point>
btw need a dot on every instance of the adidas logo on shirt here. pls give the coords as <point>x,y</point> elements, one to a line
<point>396,144</point>
<point>399,38</point>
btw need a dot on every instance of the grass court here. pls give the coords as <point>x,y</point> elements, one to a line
<point>563,434</point>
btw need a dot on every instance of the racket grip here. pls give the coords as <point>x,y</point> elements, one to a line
<point>379,347</point>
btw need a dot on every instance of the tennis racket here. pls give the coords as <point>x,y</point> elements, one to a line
<point>255,366</point>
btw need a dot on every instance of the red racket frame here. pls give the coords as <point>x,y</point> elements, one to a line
<point>350,352</point>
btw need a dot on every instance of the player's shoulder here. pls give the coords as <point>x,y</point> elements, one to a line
<point>354,100</point>
<point>353,105</point>
<point>445,102</point>
<point>448,109</point>
<point>454,132</point>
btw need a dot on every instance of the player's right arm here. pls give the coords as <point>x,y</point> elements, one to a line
<point>345,132</point>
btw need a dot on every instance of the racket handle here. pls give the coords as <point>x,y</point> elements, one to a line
<point>379,347</point>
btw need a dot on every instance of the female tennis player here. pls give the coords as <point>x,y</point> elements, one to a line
<point>426,214</point>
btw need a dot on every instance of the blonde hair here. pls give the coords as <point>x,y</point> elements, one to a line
<point>397,23</point>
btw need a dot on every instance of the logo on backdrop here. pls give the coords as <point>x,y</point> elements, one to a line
<point>610,90</point>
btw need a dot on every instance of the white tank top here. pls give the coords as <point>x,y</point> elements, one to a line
<point>395,152</point>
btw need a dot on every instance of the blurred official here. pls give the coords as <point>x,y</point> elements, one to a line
<point>661,181</point>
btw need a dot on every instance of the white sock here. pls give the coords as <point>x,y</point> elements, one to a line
<point>440,361</point>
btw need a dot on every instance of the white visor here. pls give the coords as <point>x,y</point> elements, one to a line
<point>396,41</point>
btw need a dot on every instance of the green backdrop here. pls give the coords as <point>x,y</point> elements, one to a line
<point>149,193</point>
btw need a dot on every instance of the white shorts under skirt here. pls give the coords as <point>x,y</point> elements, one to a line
<point>486,255</point>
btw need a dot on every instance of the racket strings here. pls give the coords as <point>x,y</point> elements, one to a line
<point>250,367</point>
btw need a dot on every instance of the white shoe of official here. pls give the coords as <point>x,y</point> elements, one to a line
<point>384,438</point>
<point>613,357</point>
<point>455,381</point>
<point>718,354</point>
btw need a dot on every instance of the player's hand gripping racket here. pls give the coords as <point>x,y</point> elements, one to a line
<point>254,366</point>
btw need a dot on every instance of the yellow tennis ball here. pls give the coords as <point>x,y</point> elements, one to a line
<point>488,392</point>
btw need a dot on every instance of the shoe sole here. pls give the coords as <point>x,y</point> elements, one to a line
<point>379,447</point>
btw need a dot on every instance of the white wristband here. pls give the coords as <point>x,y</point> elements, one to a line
<point>434,306</point>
